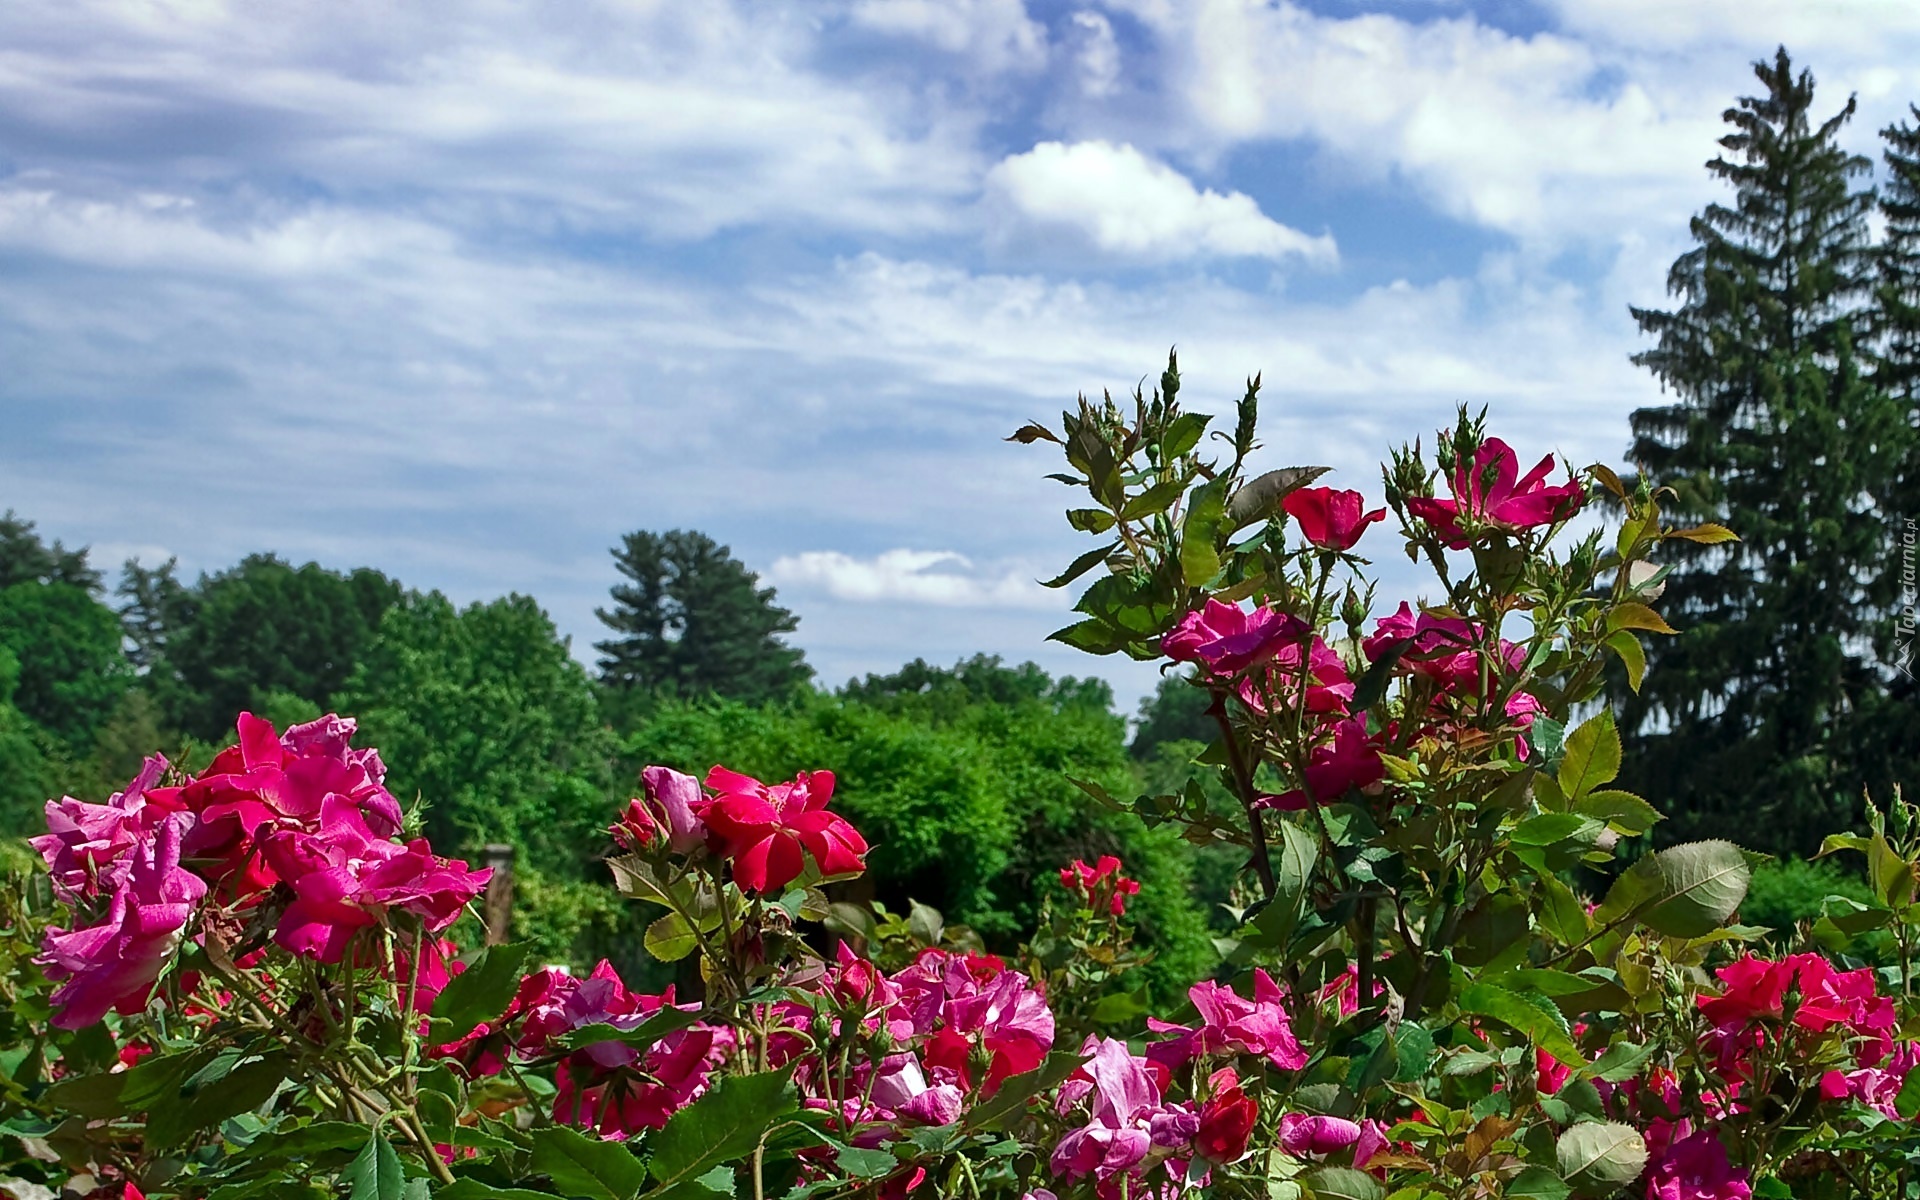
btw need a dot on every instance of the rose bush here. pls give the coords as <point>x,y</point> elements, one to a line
<point>244,984</point>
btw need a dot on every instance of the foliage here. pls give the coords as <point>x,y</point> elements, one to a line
<point>25,558</point>
<point>691,620</point>
<point>262,627</point>
<point>488,718</point>
<point>1755,711</point>
<point>66,646</point>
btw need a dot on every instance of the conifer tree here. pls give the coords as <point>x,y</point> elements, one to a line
<point>691,620</point>
<point>1778,431</point>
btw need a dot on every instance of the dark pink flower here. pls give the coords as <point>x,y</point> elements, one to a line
<point>1231,1023</point>
<point>1317,1136</point>
<point>971,1012</point>
<point>1443,649</point>
<point>267,782</point>
<point>1119,1133</point>
<point>1330,518</point>
<point>87,846</point>
<point>1349,759</point>
<point>345,878</point>
<point>1225,640</point>
<point>111,965</point>
<point>1694,1166</point>
<point>1492,493</point>
<point>769,831</point>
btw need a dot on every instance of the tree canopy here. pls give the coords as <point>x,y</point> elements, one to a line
<point>692,620</point>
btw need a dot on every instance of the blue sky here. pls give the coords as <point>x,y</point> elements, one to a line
<point>465,291</point>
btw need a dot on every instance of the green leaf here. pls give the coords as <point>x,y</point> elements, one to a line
<point>1199,556</point>
<point>1343,1183</point>
<point>1634,615</point>
<point>1629,812</point>
<point>1907,1101</point>
<point>1011,1100</point>
<point>1080,566</point>
<point>479,993</point>
<point>663,1022</point>
<point>473,1189</point>
<point>305,1140</point>
<point>1620,1061</point>
<point>1686,891</point>
<point>1592,756</point>
<point>1562,913</point>
<point>723,1125</point>
<point>1528,1013</point>
<point>1093,636</point>
<point>1599,1158</point>
<point>1537,1183</point>
<point>1090,520</point>
<point>1373,684</point>
<point>1632,656</point>
<point>1183,435</point>
<point>925,923</point>
<point>1547,829</point>
<point>670,938</point>
<point>375,1173</point>
<point>228,1093</point>
<point>1156,499</point>
<point>586,1167</point>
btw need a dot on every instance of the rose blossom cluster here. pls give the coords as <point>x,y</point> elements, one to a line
<point>766,832</point>
<point>295,829</point>
<point>1100,886</point>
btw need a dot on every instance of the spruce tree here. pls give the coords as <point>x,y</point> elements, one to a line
<point>692,620</point>
<point>1776,430</point>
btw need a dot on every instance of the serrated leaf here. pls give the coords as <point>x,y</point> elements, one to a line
<point>479,993</point>
<point>375,1173</point>
<point>1620,1061</point>
<point>1090,520</point>
<point>1183,435</point>
<point>670,938</point>
<point>1683,891</point>
<point>1634,615</point>
<point>1598,1158</point>
<point>1633,815</point>
<point>659,1024</point>
<point>1632,655</point>
<point>1080,566</point>
<point>473,1189</point>
<point>720,1127</point>
<point>1156,499</point>
<point>1547,829</point>
<point>1260,497</point>
<point>1592,756</point>
<point>1343,1183</point>
<point>1200,529</point>
<point>1530,1014</point>
<point>1709,533</point>
<point>1535,1182</point>
<point>1093,636</point>
<point>586,1167</point>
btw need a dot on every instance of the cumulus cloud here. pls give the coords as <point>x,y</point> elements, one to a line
<point>1123,203</point>
<point>944,578</point>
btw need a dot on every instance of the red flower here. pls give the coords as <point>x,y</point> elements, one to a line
<point>1226,1122</point>
<point>1101,885</point>
<point>1331,518</point>
<point>768,831</point>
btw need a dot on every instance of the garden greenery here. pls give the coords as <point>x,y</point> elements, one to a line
<point>244,984</point>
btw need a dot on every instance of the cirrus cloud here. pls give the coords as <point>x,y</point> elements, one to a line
<point>945,578</point>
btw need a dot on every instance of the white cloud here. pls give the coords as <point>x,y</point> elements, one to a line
<point>1096,54</point>
<point>1123,203</point>
<point>997,35</point>
<point>944,578</point>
